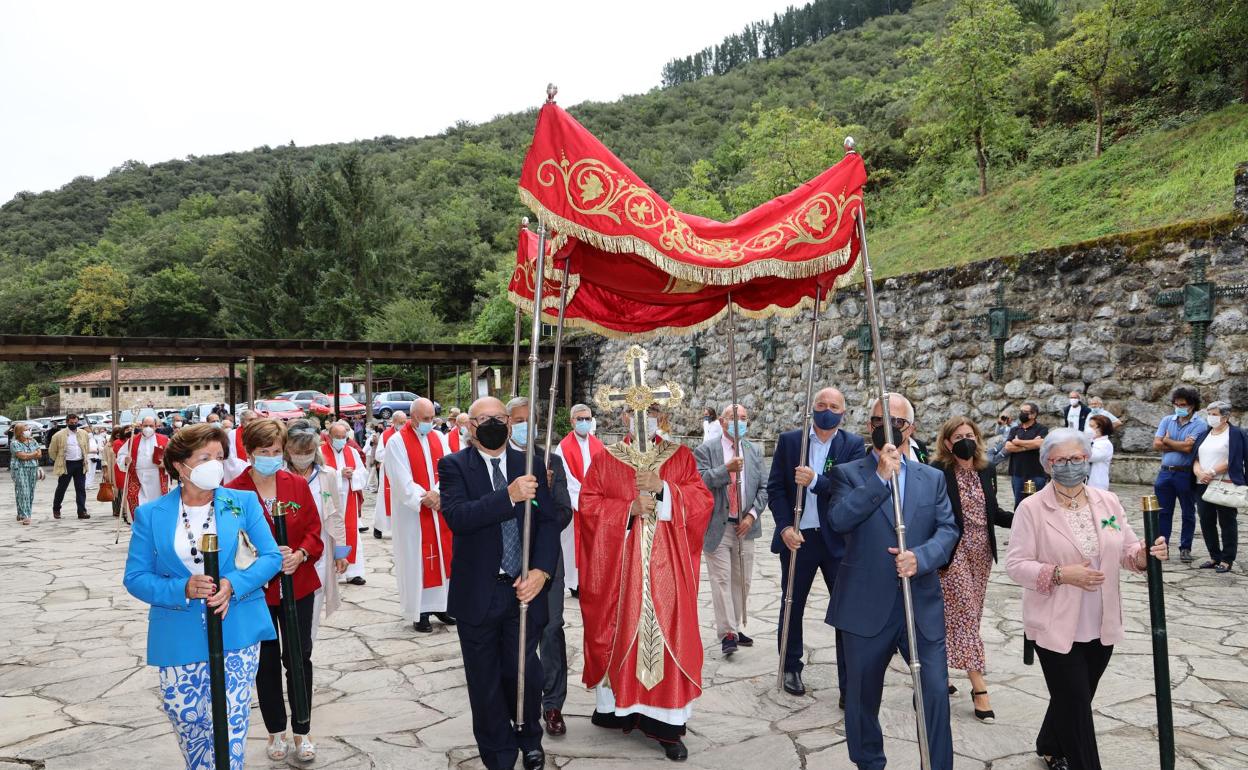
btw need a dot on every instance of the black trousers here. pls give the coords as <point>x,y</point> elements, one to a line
<point>490,665</point>
<point>275,657</point>
<point>74,469</point>
<point>1072,678</point>
<point>1215,518</point>
<point>812,557</point>
<point>553,648</point>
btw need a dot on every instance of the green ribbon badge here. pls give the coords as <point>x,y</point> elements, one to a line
<point>1112,521</point>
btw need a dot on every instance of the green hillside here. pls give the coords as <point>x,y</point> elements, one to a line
<point>1150,180</point>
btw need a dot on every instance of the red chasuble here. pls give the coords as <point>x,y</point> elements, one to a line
<point>453,439</point>
<point>354,499</point>
<point>431,558</point>
<point>611,582</point>
<point>385,439</point>
<point>132,478</point>
<point>570,448</point>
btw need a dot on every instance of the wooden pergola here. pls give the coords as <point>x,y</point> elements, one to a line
<point>336,353</point>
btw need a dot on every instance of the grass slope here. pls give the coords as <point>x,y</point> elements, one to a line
<point>1154,179</point>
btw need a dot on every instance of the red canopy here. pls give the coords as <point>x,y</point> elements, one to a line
<point>639,267</point>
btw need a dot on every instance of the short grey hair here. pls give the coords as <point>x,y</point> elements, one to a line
<point>248,415</point>
<point>1223,407</point>
<point>893,398</point>
<point>516,403</point>
<point>580,408</point>
<point>1061,437</point>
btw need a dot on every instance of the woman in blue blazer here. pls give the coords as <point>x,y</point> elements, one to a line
<point>164,568</point>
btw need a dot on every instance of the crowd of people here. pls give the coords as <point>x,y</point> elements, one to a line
<point>624,530</point>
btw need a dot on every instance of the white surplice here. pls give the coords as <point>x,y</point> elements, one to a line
<point>409,549</point>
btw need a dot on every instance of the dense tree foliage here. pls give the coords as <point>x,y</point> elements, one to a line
<point>413,238</point>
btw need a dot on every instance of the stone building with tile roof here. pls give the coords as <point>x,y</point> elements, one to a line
<point>160,387</point>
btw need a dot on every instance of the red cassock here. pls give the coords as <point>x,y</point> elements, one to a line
<point>611,582</point>
<point>303,529</point>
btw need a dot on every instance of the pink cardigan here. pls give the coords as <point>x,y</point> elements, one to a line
<point>1040,540</point>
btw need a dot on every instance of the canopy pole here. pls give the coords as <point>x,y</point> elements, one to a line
<point>369,418</point>
<point>916,668</point>
<point>229,389</point>
<point>536,334</point>
<point>554,363</point>
<point>799,503</point>
<point>251,382</point>
<point>732,378</point>
<point>337,394</point>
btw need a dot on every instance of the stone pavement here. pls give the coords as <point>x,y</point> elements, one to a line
<point>75,693</point>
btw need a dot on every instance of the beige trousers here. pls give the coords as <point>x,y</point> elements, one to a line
<point>731,566</point>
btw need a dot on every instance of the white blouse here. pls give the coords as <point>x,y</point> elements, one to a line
<point>197,515</point>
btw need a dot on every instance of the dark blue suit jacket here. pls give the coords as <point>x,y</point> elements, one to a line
<point>782,489</point>
<point>867,586</point>
<point>474,511</point>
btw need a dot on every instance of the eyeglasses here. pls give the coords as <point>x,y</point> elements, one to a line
<point>584,419</point>
<point>1062,462</point>
<point>898,423</point>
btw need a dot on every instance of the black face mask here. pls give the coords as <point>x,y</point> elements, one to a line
<point>1024,417</point>
<point>878,438</point>
<point>964,448</point>
<point>492,434</point>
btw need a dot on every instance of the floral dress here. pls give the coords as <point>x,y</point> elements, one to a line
<point>965,582</point>
<point>25,473</point>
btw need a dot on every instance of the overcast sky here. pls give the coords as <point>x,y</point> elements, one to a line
<point>85,86</point>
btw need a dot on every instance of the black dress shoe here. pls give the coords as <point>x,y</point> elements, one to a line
<point>84,515</point>
<point>793,683</point>
<point>357,581</point>
<point>447,620</point>
<point>554,722</point>
<point>423,625</point>
<point>376,533</point>
<point>840,702</point>
<point>676,751</point>
<point>534,760</point>
<point>744,640</point>
<point>576,594</point>
<point>729,645</point>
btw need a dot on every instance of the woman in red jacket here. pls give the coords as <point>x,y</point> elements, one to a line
<point>265,440</point>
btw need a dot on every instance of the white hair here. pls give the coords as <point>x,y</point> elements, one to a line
<point>893,398</point>
<point>580,408</point>
<point>516,403</point>
<point>1061,437</point>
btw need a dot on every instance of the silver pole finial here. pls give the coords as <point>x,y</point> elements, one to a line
<point>850,144</point>
<point>524,222</point>
<point>551,91</point>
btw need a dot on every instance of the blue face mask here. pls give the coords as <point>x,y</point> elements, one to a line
<point>828,419</point>
<point>338,444</point>
<point>266,466</point>
<point>740,427</point>
<point>424,428</point>
<point>520,433</point>
<point>1181,411</point>
<point>582,427</point>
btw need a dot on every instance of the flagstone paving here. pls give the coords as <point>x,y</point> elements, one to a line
<point>75,693</point>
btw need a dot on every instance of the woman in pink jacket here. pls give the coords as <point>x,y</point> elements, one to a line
<point>1067,547</point>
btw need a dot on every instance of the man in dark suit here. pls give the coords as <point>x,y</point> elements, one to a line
<point>484,496</point>
<point>553,649</point>
<point>819,549</point>
<point>867,604</point>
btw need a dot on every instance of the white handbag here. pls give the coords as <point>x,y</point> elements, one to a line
<point>1222,492</point>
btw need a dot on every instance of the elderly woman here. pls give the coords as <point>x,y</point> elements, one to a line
<point>303,456</point>
<point>1220,455</point>
<point>25,453</point>
<point>281,492</point>
<point>165,569</point>
<point>972,486</point>
<point>1067,547</point>
<point>1099,429</point>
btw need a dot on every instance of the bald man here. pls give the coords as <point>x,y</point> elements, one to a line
<point>818,549</point>
<point>484,496</point>
<point>384,511</point>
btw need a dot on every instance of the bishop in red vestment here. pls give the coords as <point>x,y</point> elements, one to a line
<point>643,647</point>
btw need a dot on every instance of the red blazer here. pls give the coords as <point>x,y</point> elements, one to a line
<point>303,528</point>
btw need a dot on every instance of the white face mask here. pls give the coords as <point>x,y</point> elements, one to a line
<point>149,431</point>
<point>1214,420</point>
<point>1074,402</point>
<point>652,426</point>
<point>303,461</point>
<point>208,475</point>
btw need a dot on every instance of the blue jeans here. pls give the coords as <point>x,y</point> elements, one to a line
<point>1171,486</point>
<point>1017,483</point>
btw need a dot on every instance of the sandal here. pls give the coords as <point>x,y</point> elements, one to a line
<point>25,522</point>
<point>987,717</point>
<point>305,750</point>
<point>1211,564</point>
<point>276,750</point>
<point>1223,568</point>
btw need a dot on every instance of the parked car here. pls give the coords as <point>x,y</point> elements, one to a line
<point>278,409</point>
<point>386,404</point>
<point>318,404</point>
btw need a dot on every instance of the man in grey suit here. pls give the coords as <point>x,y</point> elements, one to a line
<point>734,524</point>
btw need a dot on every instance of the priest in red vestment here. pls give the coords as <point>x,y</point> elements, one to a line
<point>578,450</point>
<point>643,646</point>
